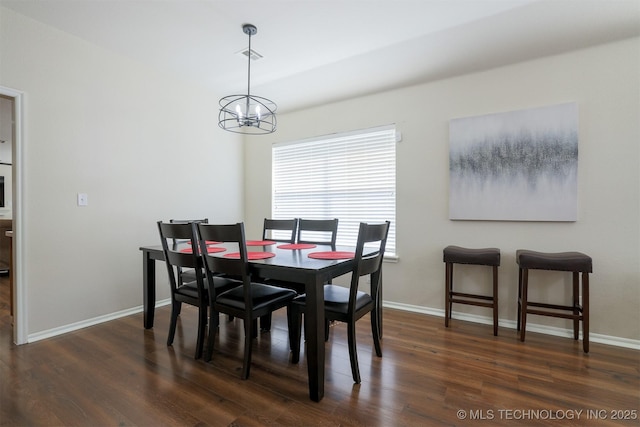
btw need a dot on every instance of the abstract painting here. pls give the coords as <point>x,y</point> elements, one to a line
<point>515,166</point>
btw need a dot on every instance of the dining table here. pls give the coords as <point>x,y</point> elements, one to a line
<point>285,264</point>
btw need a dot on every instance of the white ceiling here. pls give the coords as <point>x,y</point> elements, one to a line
<point>318,51</point>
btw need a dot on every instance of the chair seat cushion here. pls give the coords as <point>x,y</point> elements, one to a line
<point>221,284</point>
<point>263,296</point>
<point>188,275</point>
<point>189,289</point>
<point>336,299</point>
<point>459,255</point>
<point>561,261</point>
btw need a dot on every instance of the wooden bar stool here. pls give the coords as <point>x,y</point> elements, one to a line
<point>457,255</point>
<point>574,262</point>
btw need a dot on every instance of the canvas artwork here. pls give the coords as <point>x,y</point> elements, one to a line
<point>515,166</point>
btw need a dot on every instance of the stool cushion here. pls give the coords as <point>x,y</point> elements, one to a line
<point>459,255</point>
<point>561,261</point>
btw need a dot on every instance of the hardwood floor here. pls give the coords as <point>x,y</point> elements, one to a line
<point>117,373</point>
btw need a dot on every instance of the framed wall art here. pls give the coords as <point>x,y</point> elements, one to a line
<point>515,166</point>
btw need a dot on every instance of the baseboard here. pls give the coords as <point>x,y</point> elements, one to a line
<point>89,322</point>
<point>511,324</point>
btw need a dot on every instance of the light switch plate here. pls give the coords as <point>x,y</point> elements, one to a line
<point>83,199</point>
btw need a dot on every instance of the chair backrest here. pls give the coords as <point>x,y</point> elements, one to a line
<point>186,221</point>
<point>288,228</point>
<point>319,231</point>
<point>217,263</point>
<point>371,263</point>
<point>175,258</point>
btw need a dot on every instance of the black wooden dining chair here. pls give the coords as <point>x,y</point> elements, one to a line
<point>277,230</point>
<point>349,304</point>
<point>180,256</point>
<point>280,230</point>
<point>248,302</point>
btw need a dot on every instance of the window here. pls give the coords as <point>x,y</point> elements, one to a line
<point>349,176</point>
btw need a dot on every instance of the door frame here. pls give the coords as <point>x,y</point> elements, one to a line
<point>19,291</point>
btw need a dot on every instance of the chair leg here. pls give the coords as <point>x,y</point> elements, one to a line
<point>213,330</point>
<point>327,325</point>
<point>576,304</point>
<point>448,273</point>
<point>175,311</point>
<point>378,306</point>
<point>254,328</point>
<point>265,323</point>
<point>375,323</point>
<point>202,326</point>
<point>519,299</point>
<point>495,300</point>
<point>248,343</point>
<point>523,309</point>
<point>353,355</point>
<point>294,320</point>
<point>585,312</point>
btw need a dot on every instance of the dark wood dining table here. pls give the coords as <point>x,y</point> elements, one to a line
<point>288,265</point>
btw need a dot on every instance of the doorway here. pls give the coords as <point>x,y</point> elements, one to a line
<point>11,102</point>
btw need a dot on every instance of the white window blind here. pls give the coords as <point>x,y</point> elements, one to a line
<point>349,176</point>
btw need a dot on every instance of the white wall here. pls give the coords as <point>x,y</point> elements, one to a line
<point>605,83</point>
<point>143,145</point>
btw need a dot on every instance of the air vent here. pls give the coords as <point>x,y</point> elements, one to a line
<point>251,54</point>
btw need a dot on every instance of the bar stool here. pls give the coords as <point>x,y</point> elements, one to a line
<point>457,255</point>
<point>574,262</point>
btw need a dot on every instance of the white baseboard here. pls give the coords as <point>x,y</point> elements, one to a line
<point>549,330</point>
<point>511,324</point>
<point>89,322</point>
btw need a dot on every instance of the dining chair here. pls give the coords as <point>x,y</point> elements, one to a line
<point>277,230</point>
<point>280,230</point>
<point>248,302</point>
<point>191,292</point>
<point>349,304</point>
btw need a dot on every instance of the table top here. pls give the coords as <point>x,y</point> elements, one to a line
<point>284,258</point>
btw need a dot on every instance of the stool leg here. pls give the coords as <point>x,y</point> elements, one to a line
<point>495,300</point>
<point>448,283</point>
<point>576,304</point>
<point>523,321</point>
<point>519,299</point>
<point>585,312</point>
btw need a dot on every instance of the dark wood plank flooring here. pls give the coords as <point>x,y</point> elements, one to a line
<point>117,373</point>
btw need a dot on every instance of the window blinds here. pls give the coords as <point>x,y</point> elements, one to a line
<point>349,176</point>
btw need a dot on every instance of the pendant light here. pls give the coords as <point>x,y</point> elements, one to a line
<point>247,114</point>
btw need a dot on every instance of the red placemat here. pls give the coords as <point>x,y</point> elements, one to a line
<point>251,255</point>
<point>209,250</point>
<point>259,242</point>
<point>297,246</point>
<point>332,255</point>
<point>209,242</point>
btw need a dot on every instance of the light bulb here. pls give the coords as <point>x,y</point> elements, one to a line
<point>239,111</point>
<point>258,112</point>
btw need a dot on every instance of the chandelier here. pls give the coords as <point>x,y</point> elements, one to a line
<point>247,114</point>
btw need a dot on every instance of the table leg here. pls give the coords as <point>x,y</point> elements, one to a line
<point>148,288</point>
<point>314,336</point>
